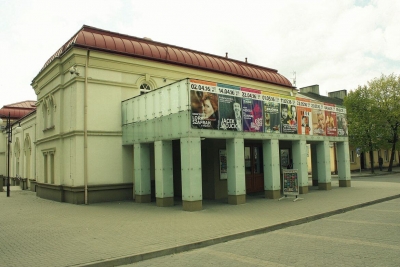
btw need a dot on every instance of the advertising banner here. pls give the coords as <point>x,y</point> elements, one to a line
<point>225,107</point>
<point>288,115</point>
<point>330,119</point>
<point>304,125</point>
<point>204,104</point>
<point>341,121</point>
<point>318,118</point>
<point>230,107</point>
<point>272,112</point>
<point>252,110</point>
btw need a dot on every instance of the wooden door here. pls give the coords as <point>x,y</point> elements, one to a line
<point>254,168</point>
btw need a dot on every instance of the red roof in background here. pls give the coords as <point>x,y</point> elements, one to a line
<point>18,110</point>
<point>98,39</point>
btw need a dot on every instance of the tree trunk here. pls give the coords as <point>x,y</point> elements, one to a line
<point>392,155</point>
<point>371,159</point>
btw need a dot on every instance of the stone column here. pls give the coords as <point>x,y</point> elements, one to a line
<point>272,174</point>
<point>343,162</point>
<point>163,173</point>
<point>192,195</point>
<point>141,169</point>
<point>236,173</point>
<point>324,165</point>
<point>299,153</point>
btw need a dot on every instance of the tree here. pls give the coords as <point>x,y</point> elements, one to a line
<point>386,92</point>
<point>364,125</point>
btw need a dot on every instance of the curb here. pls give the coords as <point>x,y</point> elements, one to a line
<point>205,243</point>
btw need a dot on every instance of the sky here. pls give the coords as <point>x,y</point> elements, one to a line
<point>337,44</point>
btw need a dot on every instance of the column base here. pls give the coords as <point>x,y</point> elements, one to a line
<point>236,199</point>
<point>272,194</point>
<point>344,183</point>
<point>192,205</point>
<point>303,189</point>
<point>143,198</point>
<point>165,201</point>
<point>324,186</point>
<point>314,182</point>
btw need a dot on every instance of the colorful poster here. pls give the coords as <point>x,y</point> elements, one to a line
<point>230,108</point>
<point>318,118</point>
<point>272,113</point>
<point>204,104</point>
<point>223,169</point>
<point>252,115</point>
<point>288,115</point>
<point>304,125</point>
<point>290,182</point>
<point>330,119</point>
<point>341,121</point>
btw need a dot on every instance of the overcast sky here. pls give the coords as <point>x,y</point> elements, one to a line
<point>337,44</point>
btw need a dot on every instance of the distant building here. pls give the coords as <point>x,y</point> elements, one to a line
<point>121,118</point>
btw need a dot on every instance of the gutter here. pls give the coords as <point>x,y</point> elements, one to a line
<point>85,130</point>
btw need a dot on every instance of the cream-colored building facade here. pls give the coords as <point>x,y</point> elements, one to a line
<point>72,148</point>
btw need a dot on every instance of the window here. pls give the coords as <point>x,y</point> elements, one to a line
<point>144,88</point>
<point>386,155</point>
<point>48,109</point>
<point>48,166</point>
<point>352,156</point>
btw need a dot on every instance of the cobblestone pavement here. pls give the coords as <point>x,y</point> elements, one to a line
<point>39,232</point>
<point>368,236</point>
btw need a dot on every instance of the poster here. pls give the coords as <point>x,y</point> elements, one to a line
<point>304,125</point>
<point>341,121</point>
<point>230,108</point>
<point>223,169</point>
<point>318,118</point>
<point>290,182</point>
<point>204,104</point>
<point>252,110</point>
<point>330,119</point>
<point>272,113</point>
<point>284,158</point>
<point>288,115</point>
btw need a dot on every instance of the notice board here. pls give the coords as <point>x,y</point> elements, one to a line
<point>290,182</point>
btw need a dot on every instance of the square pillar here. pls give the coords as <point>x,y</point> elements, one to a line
<point>236,172</point>
<point>163,173</point>
<point>272,174</point>
<point>141,169</point>
<point>324,165</point>
<point>299,153</point>
<point>343,162</point>
<point>314,164</point>
<point>192,193</point>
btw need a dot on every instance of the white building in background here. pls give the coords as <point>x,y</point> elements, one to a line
<point>121,118</point>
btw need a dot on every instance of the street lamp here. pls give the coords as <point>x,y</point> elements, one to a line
<point>8,129</point>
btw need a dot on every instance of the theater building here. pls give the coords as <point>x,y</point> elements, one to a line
<point>126,118</point>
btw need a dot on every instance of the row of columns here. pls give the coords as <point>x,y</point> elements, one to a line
<point>192,173</point>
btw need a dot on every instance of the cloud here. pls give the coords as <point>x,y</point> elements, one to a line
<point>336,44</point>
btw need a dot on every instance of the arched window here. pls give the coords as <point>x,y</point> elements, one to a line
<point>144,88</point>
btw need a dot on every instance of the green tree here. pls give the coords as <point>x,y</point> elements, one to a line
<point>386,92</point>
<point>364,125</point>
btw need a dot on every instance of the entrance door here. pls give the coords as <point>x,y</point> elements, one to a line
<point>253,163</point>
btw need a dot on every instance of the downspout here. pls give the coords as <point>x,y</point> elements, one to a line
<point>85,141</point>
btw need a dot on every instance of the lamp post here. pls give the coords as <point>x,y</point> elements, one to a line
<point>8,129</point>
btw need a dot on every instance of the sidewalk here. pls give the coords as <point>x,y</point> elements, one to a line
<point>39,232</point>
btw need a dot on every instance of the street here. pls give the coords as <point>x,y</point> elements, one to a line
<point>368,236</point>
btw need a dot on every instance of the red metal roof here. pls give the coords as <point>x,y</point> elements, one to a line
<point>98,39</point>
<point>18,110</point>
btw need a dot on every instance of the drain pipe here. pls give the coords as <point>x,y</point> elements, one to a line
<point>85,130</point>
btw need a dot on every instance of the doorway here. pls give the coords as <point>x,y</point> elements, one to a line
<point>253,162</point>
